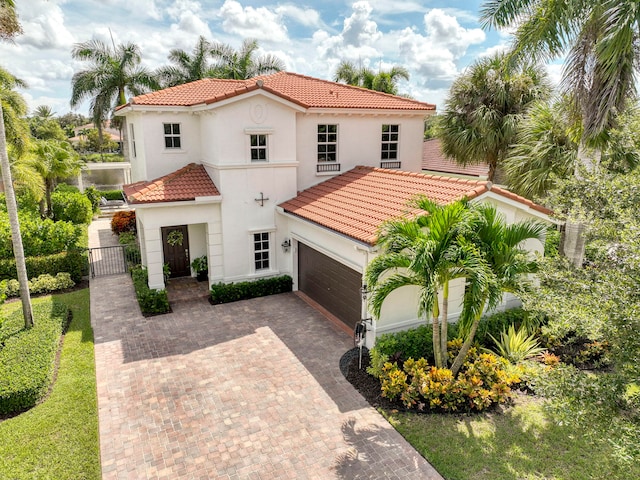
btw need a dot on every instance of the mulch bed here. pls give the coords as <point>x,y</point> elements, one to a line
<point>367,385</point>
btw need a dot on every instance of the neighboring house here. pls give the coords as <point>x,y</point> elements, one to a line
<point>434,161</point>
<point>107,131</point>
<point>281,174</point>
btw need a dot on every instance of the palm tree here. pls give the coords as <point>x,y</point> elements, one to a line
<point>484,108</point>
<point>112,75</point>
<point>13,102</point>
<point>427,251</point>
<point>44,112</point>
<point>383,81</point>
<point>14,109</point>
<point>188,67</point>
<point>243,64</point>
<point>9,24</point>
<point>600,41</point>
<point>546,147</point>
<point>53,160</point>
<point>501,247</point>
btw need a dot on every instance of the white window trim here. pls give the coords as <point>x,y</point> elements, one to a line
<point>337,143</point>
<point>132,141</point>
<point>180,136</point>
<point>270,251</point>
<point>397,159</point>
<point>258,147</point>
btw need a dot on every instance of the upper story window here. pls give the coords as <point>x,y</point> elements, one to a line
<point>389,147</point>
<point>389,142</point>
<point>261,250</point>
<point>258,147</point>
<point>172,135</point>
<point>134,153</point>
<point>327,143</point>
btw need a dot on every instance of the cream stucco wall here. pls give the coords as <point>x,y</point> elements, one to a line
<point>359,142</point>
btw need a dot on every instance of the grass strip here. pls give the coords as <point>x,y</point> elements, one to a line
<point>58,439</point>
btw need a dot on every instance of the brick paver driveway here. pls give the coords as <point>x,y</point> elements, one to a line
<point>245,390</point>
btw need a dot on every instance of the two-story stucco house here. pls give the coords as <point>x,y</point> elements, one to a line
<point>284,174</point>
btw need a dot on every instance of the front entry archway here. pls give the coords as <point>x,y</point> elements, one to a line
<point>175,247</point>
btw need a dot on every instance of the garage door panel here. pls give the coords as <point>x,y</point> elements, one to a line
<point>333,285</point>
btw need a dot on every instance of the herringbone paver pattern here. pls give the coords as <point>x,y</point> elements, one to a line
<point>248,390</point>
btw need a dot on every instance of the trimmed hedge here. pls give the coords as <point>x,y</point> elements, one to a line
<point>112,194</point>
<point>151,301</point>
<point>232,292</point>
<point>73,262</point>
<point>27,359</point>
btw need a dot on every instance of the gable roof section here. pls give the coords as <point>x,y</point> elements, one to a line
<point>182,185</point>
<point>307,92</point>
<point>435,161</point>
<point>358,201</point>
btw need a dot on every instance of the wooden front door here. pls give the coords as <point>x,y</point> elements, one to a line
<point>176,254</point>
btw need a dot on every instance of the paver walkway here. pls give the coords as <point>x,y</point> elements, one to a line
<point>245,390</point>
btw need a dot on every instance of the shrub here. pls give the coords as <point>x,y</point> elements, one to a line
<point>412,343</point>
<point>71,207</point>
<point>492,325</point>
<point>93,195</point>
<point>377,360</point>
<point>151,301</point>
<point>483,381</point>
<point>27,359</point>
<point>73,262</point>
<point>123,222</point>
<point>3,291</point>
<point>517,346</point>
<point>42,284</point>
<point>232,292</point>
<point>41,237</point>
<point>127,238</point>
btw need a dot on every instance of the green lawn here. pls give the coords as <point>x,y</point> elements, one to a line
<point>58,439</point>
<point>519,444</point>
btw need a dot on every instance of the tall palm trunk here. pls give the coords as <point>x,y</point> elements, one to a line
<point>16,238</point>
<point>437,353</point>
<point>457,363</point>
<point>445,324</point>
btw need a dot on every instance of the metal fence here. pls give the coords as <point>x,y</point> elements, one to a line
<point>113,260</point>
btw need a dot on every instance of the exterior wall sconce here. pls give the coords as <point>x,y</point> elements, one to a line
<point>364,291</point>
<point>286,245</point>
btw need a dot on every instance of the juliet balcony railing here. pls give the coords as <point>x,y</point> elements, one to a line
<point>327,167</point>
<point>390,164</point>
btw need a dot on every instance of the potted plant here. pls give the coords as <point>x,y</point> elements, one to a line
<point>201,267</point>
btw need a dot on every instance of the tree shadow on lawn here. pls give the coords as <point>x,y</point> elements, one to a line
<point>516,442</point>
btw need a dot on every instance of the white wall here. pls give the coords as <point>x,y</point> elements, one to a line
<point>225,131</point>
<point>359,142</point>
<point>159,160</point>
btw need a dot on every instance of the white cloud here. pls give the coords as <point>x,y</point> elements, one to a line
<point>434,56</point>
<point>43,25</point>
<point>138,9</point>
<point>356,40</point>
<point>249,22</point>
<point>304,16</point>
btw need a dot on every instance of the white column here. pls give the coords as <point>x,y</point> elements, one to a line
<point>153,242</point>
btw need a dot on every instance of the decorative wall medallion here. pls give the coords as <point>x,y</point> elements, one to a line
<point>258,113</point>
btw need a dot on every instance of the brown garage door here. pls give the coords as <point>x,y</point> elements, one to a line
<point>333,285</point>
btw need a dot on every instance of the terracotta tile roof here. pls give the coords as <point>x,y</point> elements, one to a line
<point>358,201</point>
<point>506,193</point>
<point>182,185</point>
<point>305,91</point>
<point>435,161</point>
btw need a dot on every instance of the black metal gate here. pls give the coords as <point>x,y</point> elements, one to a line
<point>113,260</point>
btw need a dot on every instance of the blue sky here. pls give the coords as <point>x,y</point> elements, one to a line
<point>434,39</point>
